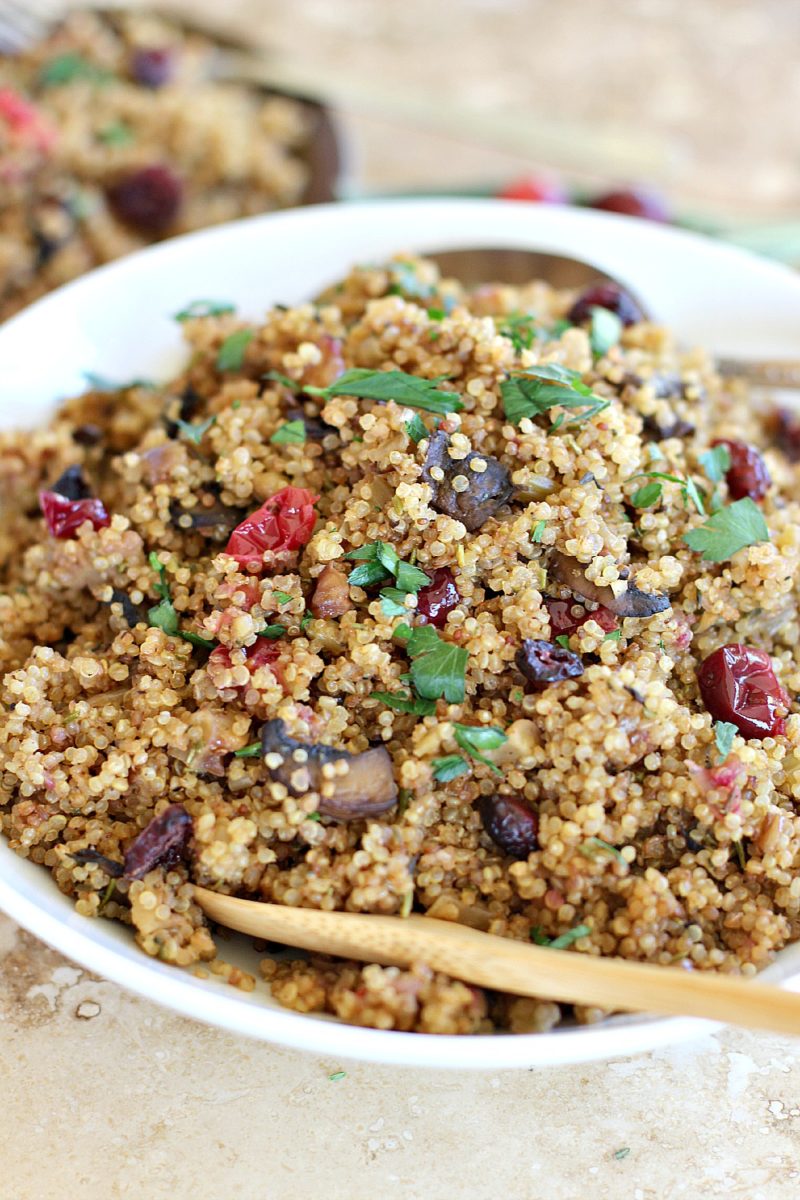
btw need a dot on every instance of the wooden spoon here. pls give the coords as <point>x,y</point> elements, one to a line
<point>511,966</point>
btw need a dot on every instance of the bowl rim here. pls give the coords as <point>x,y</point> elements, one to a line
<point>28,893</point>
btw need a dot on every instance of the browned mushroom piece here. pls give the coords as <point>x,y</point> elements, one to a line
<point>216,521</point>
<point>631,603</point>
<point>665,424</point>
<point>332,594</point>
<point>358,785</point>
<point>463,492</point>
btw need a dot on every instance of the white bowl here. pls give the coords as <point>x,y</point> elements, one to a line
<point>118,322</point>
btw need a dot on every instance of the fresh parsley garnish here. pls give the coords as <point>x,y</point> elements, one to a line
<point>282,597</point>
<point>271,632</point>
<point>563,640</point>
<point>650,493</point>
<point>473,739</point>
<point>194,433</point>
<point>407,283</point>
<point>230,356</point>
<point>519,328</point>
<point>596,845</point>
<point>436,314</point>
<point>115,134</point>
<point>537,389</point>
<point>724,733</point>
<point>306,621</point>
<point>559,943</point>
<point>392,602</point>
<point>251,751</point>
<point>716,462</point>
<point>379,562</point>
<point>729,530</point>
<point>613,636</point>
<point>406,704</point>
<point>450,767</point>
<point>291,433</point>
<point>623,1153</point>
<point>164,615</point>
<point>337,1075</point>
<point>415,428</point>
<point>284,381</point>
<point>538,531</point>
<point>100,383</point>
<point>438,667</point>
<point>391,385</point>
<point>205,308</point>
<point>68,68</point>
<point>604,331</point>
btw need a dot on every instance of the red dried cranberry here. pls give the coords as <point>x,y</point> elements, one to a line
<point>785,428</point>
<point>153,67</point>
<point>543,663</point>
<point>284,522</point>
<point>633,202</point>
<point>161,843</point>
<point>510,824</point>
<point>541,189</point>
<point>148,199</point>
<point>747,474</point>
<point>566,616</point>
<point>436,601</point>
<point>738,684</point>
<point>64,517</point>
<point>262,653</point>
<point>605,295</point>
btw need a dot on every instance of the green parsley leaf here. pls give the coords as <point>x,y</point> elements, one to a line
<point>392,603</point>
<point>283,380</point>
<point>290,433</point>
<point>729,530</point>
<point>368,574</point>
<point>162,587</point>
<point>596,845</point>
<point>563,640</point>
<point>271,632</point>
<point>538,531</point>
<point>283,597</point>
<point>306,621</point>
<point>232,351</point>
<point>410,578</point>
<point>99,383</point>
<point>337,1075</point>
<point>379,562</point>
<point>450,767</point>
<point>438,667</point>
<point>566,939</point>
<point>623,1153</point>
<point>163,616</point>
<point>205,308</point>
<point>68,68</point>
<point>116,134</point>
<point>196,639</point>
<point>436,314</point>
<point>415,428</point>
<point>391,385</point>
<point>646,496</point>
<point>605,331</point>
<point>406,704</point>
<point>251,751</point>
<point>716,462</point>
<point>534,391</point>
<point>613,636</point>
<point>195,433</point>
<point>475,738</point>
<point>724,733</point>
<point>519,328</point>
<point>558,328</point>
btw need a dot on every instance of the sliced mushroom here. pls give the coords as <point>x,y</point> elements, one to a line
<point>72,485</point>
<point>365,787</point>
<point>332,594</point>
<point>464,493</point>
<point>631,603</point>
<point>132,613</point>
<point>665,424</point>
<point>82,857</point>
<point>216,521</point>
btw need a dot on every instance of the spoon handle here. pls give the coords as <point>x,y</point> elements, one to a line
<point>512,966</point>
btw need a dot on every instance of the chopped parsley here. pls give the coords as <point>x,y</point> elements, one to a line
<point>406,704</point>
<point>563,640</point>
<point>604,331</point>
<point>232,351</point>
<point>251,751</point>
<point>596,845</point>
<point>391,385</point>
<point>291,433</point>
<point>473,739</point>
<point>379,562</point>
<point>716,462</point>
<point>71,67</point>
<point>450,767</point>
<point>194,433</point>
<point>282,597</point>
<point>724,733</point>
<point>115,134</point>
<point>164,615</point>
<point>559,943</point>
<point>205,308</point>
<point>623,1153</point>
<point>415,428</point>
<point>650,493</point>
<point>436,314</point>
<point>337,1075</point>
<point>537,389</point>
<point>392,602</point>
<point>283,380</point>
<point>100,383</point>
<point>538,531</point>
<point>729,530</point>
<point>271,632</point>
<point>519,328</point>
<point>306,621</point>
<point>438,667</point>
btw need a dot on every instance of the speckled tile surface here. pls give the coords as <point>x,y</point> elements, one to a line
<point>107,1096</point>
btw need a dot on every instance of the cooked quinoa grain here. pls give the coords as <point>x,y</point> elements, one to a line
<point>493,634</point>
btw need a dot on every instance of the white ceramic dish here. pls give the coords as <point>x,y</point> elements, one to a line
<point>117,322</point>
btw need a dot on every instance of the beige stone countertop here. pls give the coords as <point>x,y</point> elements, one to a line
<point>108,1096</point>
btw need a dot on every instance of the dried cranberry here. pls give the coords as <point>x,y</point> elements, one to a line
<point>284,522</point>
<point>605,295</point>
<point>148,199</point>
<point>541,189</point>
<point>64,517</point>
<point>633,202</point>
<point>542,663</point>
<point>262,653</point>
<point>738,684</point>
<point>747,474</point>
<point>785,428</point>
<point>510,824</point>
<point>436,601</point>
<point>153,67</point>
<point>566,616</point>
<point>161,843</point>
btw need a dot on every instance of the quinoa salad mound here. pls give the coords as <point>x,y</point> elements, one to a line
<point>477,604</point>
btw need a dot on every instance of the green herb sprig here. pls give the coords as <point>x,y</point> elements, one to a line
<point>414,705</point>
<point>379,563</point>
<point>724,733</point>
<point>164,615</point>
<point>394,385</point>
<point>438,667</point>
<point>230,356</point>
<point>538,389</point>
<point>729,530</point>
<point>291,433</point>
<point>650,493</point>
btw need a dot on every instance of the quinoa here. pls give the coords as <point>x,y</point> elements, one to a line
<point>582,794</point>
<point>116,131</point>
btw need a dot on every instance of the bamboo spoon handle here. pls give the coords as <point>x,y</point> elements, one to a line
<point>511,966</point>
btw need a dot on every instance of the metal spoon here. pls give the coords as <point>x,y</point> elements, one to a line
<point>475,267</point>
